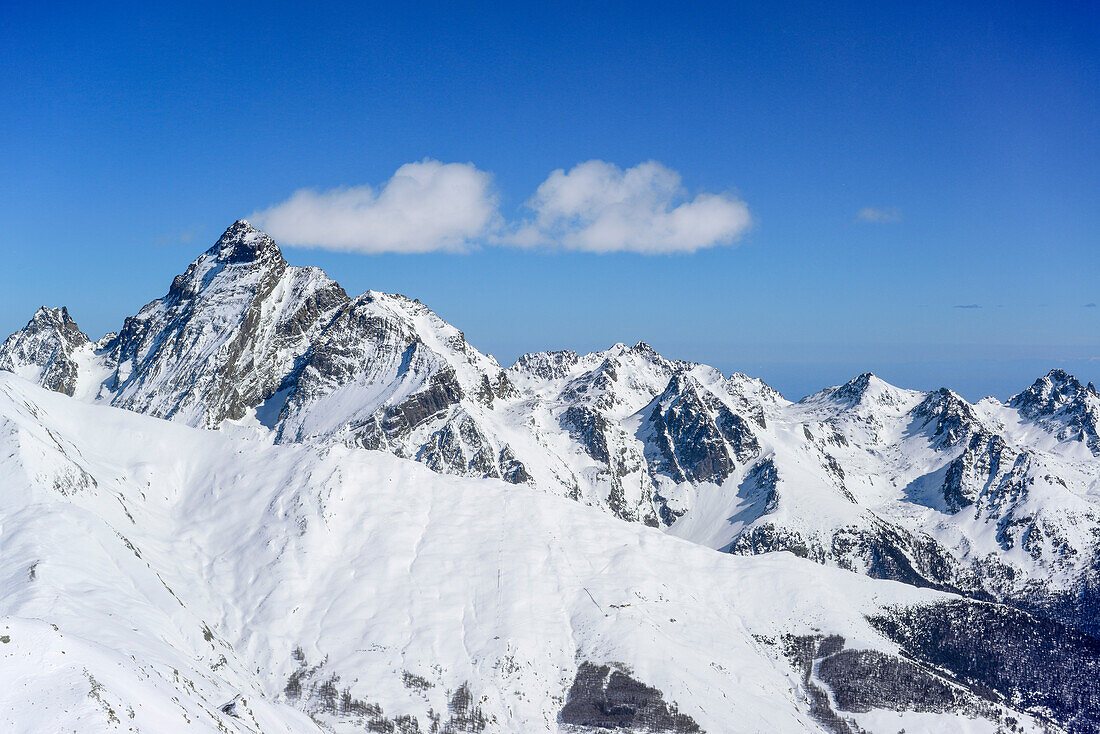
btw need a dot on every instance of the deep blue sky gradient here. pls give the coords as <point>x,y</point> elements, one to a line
<point>131,135</point>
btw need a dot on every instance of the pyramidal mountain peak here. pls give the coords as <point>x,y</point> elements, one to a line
<point>241,242</point>
<point>865,389</point>
<point>45,351</point>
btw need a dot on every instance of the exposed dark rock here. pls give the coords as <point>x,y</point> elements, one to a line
<point>546,365</point>
<point>987,471</point>
<point>512,469</point>
<point>697,437</point>
<point>588,428</point>
<point>949,419</point>
<point>603,697</point>
<point>884,551</point>
<point>442,392</point>
<point>224,303</point>
<point>1065,407</point>
<point>46,343</point>
<point>737,433</point>
<point>851,393</point>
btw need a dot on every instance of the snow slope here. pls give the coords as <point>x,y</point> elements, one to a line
<point>154,573</point>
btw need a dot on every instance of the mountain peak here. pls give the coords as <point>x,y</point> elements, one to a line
<point>242,242</point>
<point>1060,376</point>
<point>1061,404</point>
<point>866,390</point>
<point>43,350</point>
<point>52,316</point>
<point>855,388</point>
<point>1049,393</point>
<point>56,321</point>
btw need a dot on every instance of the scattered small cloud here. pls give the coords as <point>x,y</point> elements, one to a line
<point>598,207</point>
<point>968,305</point>
<point>425,206</point>
<point>879,215</point>
<point>1089,305</point>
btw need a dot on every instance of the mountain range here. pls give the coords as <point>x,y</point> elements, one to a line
<point>609,541</point>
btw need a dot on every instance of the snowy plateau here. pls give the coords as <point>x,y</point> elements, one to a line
<point>266,506</point>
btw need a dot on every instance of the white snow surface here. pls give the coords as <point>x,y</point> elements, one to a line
<point>154,572</point>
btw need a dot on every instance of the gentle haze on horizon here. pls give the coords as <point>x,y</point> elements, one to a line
<point>799,192</point>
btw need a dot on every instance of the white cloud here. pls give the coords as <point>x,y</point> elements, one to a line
<point>879,216</point>
<point>599,207</point>
<point>425,206</point>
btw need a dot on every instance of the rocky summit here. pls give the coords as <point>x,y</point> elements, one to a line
<point>353,547</point>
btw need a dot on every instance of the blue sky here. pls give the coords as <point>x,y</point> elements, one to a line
<point>898,163</point>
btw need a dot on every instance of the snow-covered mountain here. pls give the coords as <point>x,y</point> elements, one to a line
<point>996,502</point>
<point>162,578</point>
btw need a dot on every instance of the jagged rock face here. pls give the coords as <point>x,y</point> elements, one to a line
<point>872,547</point>
<point>546,366</point>
<point>948,417</point>
<point>988,471</point>
<point>589,428</point>
<point>621,381</point>
<point>866,393</point>
<point>590,399</point>
<point>372,352</point>
<point>388,374</point>
<point>1063,406</point>
<point>697,437</point>
<point>241,335</point>
<point>225,337</point>
<point>852,393</point>
<point>44,350</point>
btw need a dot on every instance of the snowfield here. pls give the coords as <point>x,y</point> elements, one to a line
<point>154,573</point>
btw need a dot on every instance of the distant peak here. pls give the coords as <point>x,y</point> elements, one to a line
<point>1060,377</point>
<point>53,319</point>
<point>242,242</point>
<point>55,322</point>
<point>1058,380</point>
<point>1048,393</point>
<point>856,386</point>
<point>943,400</point>
<point>866,387</point>
<point>52,315</point>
